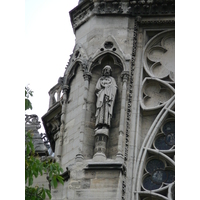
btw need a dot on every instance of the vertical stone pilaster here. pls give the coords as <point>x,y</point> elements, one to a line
<point>125,76</point>
<point>86,76</point>
<point>62,119</point>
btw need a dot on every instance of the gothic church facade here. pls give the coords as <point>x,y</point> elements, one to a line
<point>111,117</point>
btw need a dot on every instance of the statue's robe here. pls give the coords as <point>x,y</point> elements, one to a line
<point>106,89</point>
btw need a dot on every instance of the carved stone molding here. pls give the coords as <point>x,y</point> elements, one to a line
<point>154,7</point>
<point>86,9</point>
<point>81,13</point>
<point>157,21</point>
<point>109,7</point>
<point>106,166</point>
<point>128,117</point>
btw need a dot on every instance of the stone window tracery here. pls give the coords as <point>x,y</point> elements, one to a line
<point>157,156</point>
<point>166,139</point>
<point>159,170</point>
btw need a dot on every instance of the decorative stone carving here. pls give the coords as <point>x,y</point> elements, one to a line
<point>32,121</point>
<point>155,93</point>
<point>159,56</point>
<point>111,46</point>
<point>87,9</point>
<point>32,124</point>
<point>77,17</point>
<point>108,45</point>
<point>106,89</point>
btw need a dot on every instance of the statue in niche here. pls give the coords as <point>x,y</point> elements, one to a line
<point>106,89</point>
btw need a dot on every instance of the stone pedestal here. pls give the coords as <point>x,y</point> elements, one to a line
<point>101,138</point>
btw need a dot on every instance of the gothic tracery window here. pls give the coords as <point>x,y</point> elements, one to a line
<point>157,171</point>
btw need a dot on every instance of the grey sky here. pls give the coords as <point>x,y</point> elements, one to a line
<point>49,41</point>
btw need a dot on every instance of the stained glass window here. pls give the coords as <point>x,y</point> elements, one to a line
<point>167,140</point>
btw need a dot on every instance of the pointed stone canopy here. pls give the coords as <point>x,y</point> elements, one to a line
<point>32,124</point>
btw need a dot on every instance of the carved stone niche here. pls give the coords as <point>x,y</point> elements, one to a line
<point>108,142</point>
<point>51,122</point>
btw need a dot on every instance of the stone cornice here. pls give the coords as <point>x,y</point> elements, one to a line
<point>145,8</point>
<point>81,13</point>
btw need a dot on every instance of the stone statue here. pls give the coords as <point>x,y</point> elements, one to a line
<point>106,89</point>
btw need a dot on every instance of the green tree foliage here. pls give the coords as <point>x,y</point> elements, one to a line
<point>28,93</point>
<point>34,167</point>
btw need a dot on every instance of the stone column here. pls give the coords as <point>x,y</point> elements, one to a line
<point>124,75</point>
<point>62,119</point>
<point>51,99</point>
<point>86,76</point>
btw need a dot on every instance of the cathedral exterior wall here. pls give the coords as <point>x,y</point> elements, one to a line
<point>131,158</point>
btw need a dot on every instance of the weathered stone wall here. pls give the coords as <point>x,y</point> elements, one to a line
<point>90,184</point>
<point>73,119</point>
<point>98,29</point>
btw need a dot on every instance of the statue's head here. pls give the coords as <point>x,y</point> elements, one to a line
<point>107,70</point>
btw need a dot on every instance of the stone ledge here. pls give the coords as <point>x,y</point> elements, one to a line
<point>106,166</point>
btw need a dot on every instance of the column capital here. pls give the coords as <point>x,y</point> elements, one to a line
<point>65,88</point>
<point>87,76</point>
<point>125,76</point>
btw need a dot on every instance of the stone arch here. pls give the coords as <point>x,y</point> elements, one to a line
<point>101,57</point>
<point>71,71</point>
